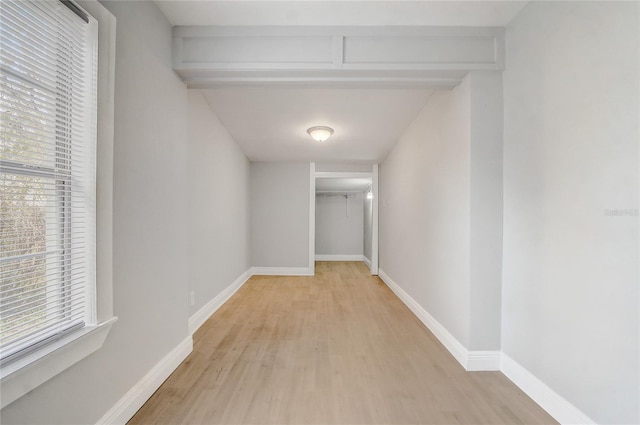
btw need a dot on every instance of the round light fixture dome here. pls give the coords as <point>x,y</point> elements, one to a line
<point>320,133</point>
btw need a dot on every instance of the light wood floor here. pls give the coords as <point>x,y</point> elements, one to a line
<point>336,348</point>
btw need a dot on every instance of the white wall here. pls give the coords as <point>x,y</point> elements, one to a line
<point>485,202</point>
<point>339,224</point>
<point>368,226</point>
<point>280,214</point>
<point>149,230</point>
<point>219,214</point>
<point>571,314</point>
<point>441,212</point>
<point>424,210</point>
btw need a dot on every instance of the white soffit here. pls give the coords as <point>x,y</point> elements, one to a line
<point>340,13</point>
<point>270,123</point>
<point>428,43</point>
<point>418,56</point>
<point>435,56</point>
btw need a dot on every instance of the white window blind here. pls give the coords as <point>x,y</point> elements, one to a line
<point>48,66</point>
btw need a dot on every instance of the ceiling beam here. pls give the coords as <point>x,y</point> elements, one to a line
<point>441,56</point>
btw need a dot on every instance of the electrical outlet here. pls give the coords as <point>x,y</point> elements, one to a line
<point>192,298</point>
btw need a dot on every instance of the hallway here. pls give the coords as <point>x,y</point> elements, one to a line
<point>335,348</point>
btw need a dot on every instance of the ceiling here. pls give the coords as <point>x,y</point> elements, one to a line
<point>340,12</point>
<point>269,121</point>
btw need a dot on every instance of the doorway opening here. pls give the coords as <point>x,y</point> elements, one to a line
<point>345,219</point>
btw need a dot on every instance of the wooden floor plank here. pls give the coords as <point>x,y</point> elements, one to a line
<point>335,348</point>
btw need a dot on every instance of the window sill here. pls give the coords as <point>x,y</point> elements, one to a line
<point>25,374</point>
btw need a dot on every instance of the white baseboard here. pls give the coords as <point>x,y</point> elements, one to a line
<point>133,400</point>
<point>199,317</point>
<point>552,402</point>
<point>449,341</point>
<point>483,360</point>
<point>470,360</point>
<point>281,271</point>
<point>366,261</point>
<point>339,257</point>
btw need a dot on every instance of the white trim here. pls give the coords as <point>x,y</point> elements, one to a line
<point>374,220</point>
<point>449,341</point>
<point>104,166</point>
<point>471,360</point>
<point>312,217</point>
<point>321,257</point>
<point>199,317</point>
<point>281,271</point>
<point>133,400</point>
<point>483,361</point>
<point>554,404</point>
<point>366,261</point>
<point>295,78</point>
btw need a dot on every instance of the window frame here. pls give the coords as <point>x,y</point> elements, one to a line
<point>33,369</point>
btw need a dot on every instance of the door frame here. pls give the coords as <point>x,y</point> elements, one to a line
<point>373,175</point>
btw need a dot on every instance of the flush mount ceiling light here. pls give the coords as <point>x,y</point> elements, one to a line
<point>320,133</point>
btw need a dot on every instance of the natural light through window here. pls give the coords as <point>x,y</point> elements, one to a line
<point>48,80</point>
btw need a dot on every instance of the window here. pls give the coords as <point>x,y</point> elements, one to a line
<point>47,173</point>
<point>48,107</point>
